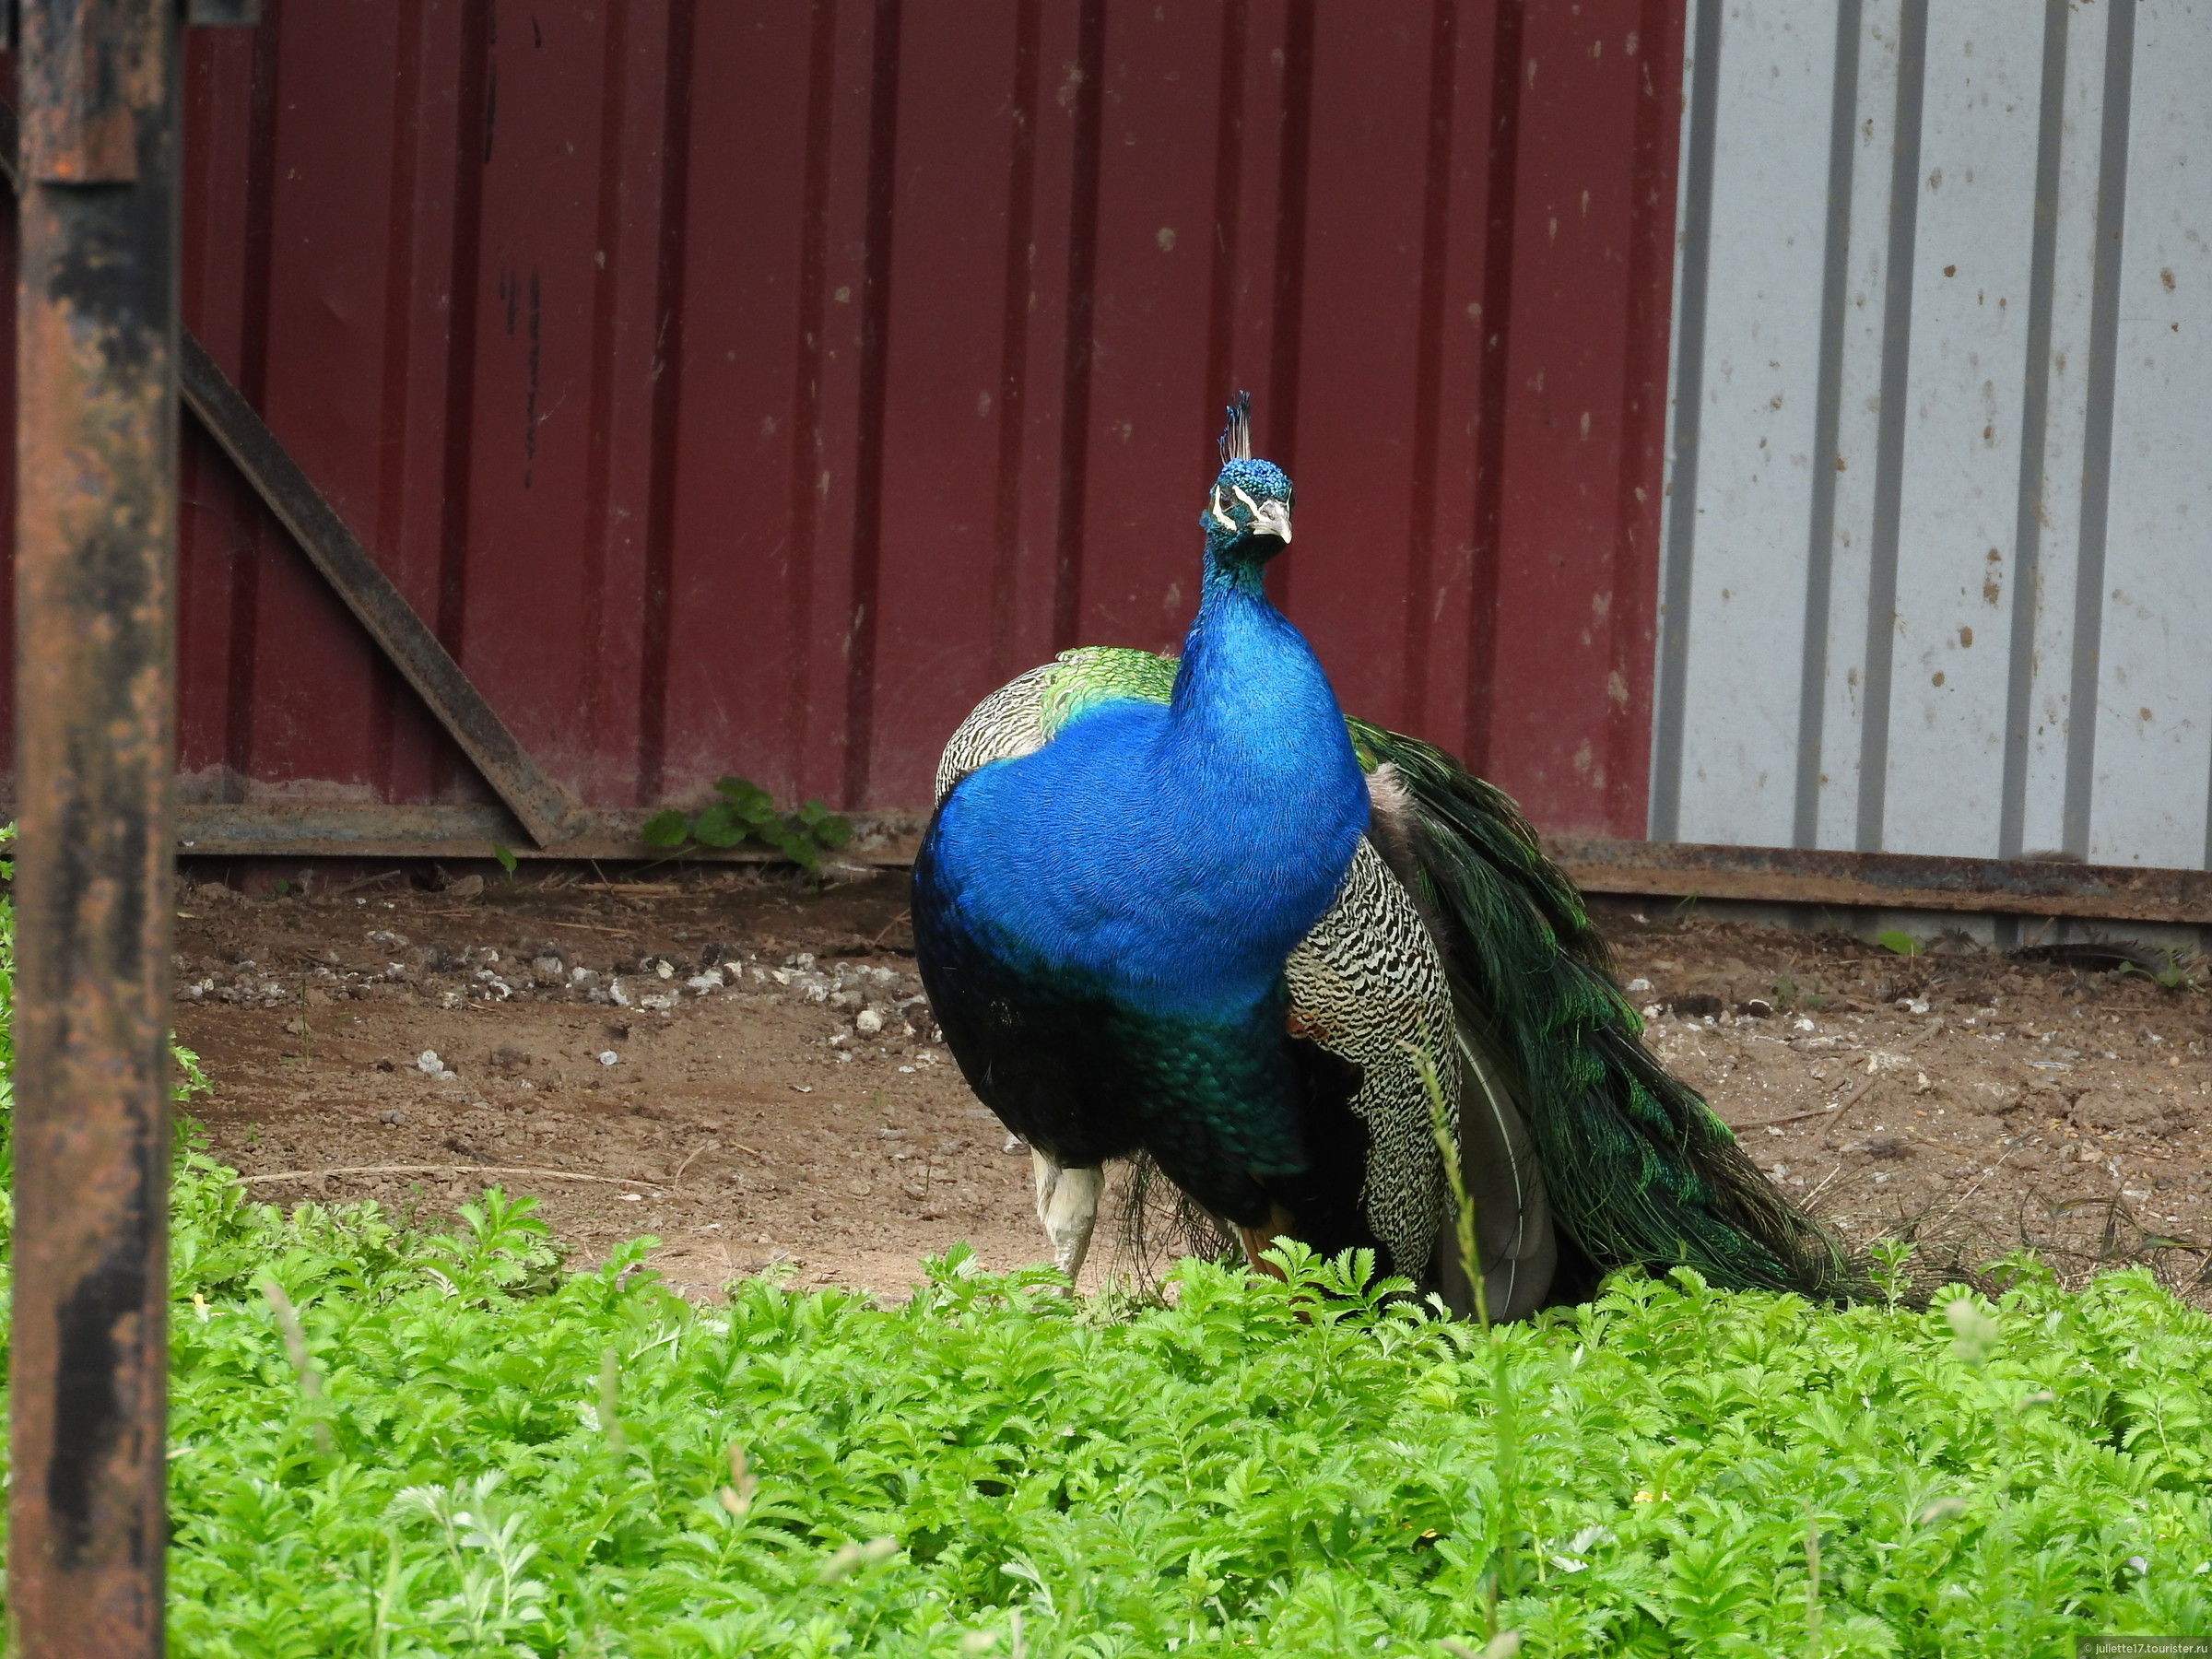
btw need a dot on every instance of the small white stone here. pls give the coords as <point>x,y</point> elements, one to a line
<point>632,1197</point>
<point>1638,985</point>
<point>664,968</point>
<point>868,1022</point>
<point>608,1056</point>
<point>428,1062</point>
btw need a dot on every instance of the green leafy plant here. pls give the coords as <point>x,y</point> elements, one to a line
<point>1889,1260</point>
<point>2174,976</point>
<point>743,811</point>
<point>1788,994</point>
<point>1900,943</point>
<point>494,1461</point>
<point>506,857</point>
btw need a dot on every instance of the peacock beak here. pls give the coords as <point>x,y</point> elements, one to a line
<point>1272,518</point>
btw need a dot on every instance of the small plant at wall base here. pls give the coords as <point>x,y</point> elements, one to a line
<point>743,811</point>
<point>2172,976</point>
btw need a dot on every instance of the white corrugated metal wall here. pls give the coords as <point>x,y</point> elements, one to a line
<point>1938,564</point>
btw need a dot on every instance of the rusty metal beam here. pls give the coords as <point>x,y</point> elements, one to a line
<point>95,436</point>
<point>1888,880</point>
<point>308,829</point>
<point>545,810</point>
<point>1892,882</point>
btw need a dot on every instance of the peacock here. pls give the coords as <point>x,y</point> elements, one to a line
<point>1186,912</point>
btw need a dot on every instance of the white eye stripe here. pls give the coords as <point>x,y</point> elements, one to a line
<point>1221,510</point>
<point>1249,502</point>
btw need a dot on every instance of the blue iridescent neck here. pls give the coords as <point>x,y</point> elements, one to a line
<point>1232,568</point>
<point>1253,713</point>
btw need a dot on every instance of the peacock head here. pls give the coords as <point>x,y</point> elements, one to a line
<point>1247,518</point>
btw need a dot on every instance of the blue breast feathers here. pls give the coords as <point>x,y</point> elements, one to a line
<point>1171,857</point>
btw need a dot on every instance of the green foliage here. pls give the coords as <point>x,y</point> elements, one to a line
<point>1789,994</point>
<point>743,811</point>
<point>1888,1259</point>
<point>1900,943</point>
<point>506,857</point>
<point>1306,1466</point>
<point>2172,976</point>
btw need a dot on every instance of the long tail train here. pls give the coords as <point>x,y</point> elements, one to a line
<point>1638,1166</point>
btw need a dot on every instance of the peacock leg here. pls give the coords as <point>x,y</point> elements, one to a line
<point>1256,1239</point>
<point>1067,1203</point>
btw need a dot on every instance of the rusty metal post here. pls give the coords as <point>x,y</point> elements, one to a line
<point>96,440</point>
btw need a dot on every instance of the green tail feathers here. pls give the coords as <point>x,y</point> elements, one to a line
<point>1638,1166</point>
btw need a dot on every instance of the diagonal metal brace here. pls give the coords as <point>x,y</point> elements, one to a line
<point>547,812</point>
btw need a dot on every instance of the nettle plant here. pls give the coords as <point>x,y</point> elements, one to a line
<point>743,811</point>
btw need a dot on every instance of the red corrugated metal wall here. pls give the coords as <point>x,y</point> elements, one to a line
<point>750,386</point>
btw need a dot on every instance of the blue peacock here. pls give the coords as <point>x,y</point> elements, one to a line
<point>1186,912</point>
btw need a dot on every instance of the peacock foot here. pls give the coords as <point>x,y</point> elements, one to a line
<point>1257,1238</point>
<point>1067,1203</point>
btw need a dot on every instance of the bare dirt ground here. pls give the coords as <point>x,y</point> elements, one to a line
<point>741,1066</point>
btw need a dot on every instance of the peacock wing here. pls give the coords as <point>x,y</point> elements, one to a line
<point>1022,716</point>
<point>1368,985</point>
<point>1006,725</point>
<point>1640,1169</point>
